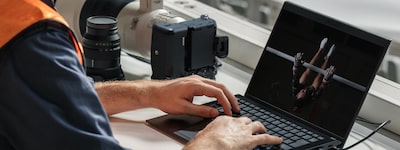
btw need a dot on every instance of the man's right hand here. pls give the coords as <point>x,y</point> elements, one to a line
<point>231,133</point>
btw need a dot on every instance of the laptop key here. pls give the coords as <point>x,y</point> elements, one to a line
<point>288,141</point>
<point>288,128</point>
<point>270,119</point>
<point>300,133</point>
<point>299,143</point>
<point>259,114</point>
<point>313,140</point>
<point>253,111</point>
<point>306,137</point>
<point>220,110</point>
<point>253,118</point>
<point>285,147</point>
<point>276,122</point>
<point>282,125</point>
<point>247,115</point>
<point>320,137</point>
<point>288,135</point>
<point>270,126</point>
<point>276,129</point>
<point>294,131</point>
<point>282,132</point>
<point>271,132</point>
<point>265,123</point>
<point>246,108</point>
<point>295,138</point>
<point>264,117</point>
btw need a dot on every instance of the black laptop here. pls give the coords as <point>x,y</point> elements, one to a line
<point>309,84</point>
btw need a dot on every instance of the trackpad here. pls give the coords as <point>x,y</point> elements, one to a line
<point>181,127</point>
<point>185,134</point>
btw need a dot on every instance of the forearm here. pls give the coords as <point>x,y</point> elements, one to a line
<point>171,96</point>
<point>120,96</point>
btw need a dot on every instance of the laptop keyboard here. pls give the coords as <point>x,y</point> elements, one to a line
<point>293,135</point>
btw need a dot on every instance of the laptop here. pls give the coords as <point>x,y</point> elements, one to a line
<point>308,86</point>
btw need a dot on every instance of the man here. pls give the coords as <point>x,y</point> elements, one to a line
<point>47,101</point>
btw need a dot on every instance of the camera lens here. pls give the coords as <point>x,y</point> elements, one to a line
<point>101,43</point>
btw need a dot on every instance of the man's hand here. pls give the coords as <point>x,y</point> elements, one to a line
<point>171,96</point>
<point>176,96</point>
<point>232,133</point>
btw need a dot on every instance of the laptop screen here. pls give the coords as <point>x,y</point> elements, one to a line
<point>328,82</point>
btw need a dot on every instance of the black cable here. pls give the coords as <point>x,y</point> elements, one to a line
<point>366,121</point>
<point>372,133</point>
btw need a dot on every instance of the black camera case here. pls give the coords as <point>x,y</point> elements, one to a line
<point>186,48</point>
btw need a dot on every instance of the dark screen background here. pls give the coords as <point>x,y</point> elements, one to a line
<point>356,58</point>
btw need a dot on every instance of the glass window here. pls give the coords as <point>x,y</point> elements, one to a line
<point>248,24</point>
<point>379,17</point>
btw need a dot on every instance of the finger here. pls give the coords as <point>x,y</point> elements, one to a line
<point>244,120</point>
<point>201,110</point>
<point>224,97</point>
<point>260,139</point>
<point>257,127</point>
<point>231,98</point>
<point>212,91</point>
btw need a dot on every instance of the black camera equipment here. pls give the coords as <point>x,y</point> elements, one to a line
<point>101,43</point>
<point>186,48</point>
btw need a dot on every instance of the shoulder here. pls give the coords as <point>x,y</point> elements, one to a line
<point>38,29</point>
<point>46,44</point>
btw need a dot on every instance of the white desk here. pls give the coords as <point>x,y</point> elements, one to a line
<point>130,129</point>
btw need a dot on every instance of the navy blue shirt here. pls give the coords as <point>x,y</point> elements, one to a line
<point>46,100</point>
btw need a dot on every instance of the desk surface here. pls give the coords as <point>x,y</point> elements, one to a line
<point>130,130</point>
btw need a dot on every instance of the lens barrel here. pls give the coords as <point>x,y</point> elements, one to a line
<point>102,46</point>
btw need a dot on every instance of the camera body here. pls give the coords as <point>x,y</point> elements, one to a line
<point>186,48</point>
